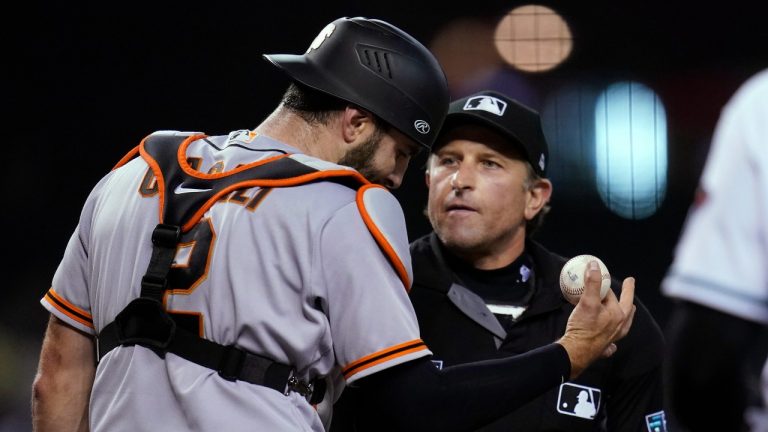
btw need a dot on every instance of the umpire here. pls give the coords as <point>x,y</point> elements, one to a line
<point>483,289</point>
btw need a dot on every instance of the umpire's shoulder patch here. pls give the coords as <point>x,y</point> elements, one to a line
<point>384,218</point>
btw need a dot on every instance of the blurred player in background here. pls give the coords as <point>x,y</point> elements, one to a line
<point>719,277</point>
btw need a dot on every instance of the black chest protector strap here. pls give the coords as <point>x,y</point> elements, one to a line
<point>145,321</point>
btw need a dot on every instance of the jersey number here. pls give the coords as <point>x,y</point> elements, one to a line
<point>189,269</point>
<point>193,256</point>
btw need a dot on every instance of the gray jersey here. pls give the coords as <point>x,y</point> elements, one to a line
<point>314,276</point>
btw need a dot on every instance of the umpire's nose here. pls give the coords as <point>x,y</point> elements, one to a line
<point>464,176</point>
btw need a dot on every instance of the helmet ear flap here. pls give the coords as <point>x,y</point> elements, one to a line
<point>378,67</point>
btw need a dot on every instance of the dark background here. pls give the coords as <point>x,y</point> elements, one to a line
<point>85,82</point>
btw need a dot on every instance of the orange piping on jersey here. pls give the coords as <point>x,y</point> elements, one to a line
<point>159,180</point>
<point>68,308</point>
<point>131,154</point>
<point>187,168</point>
<point>182,158</point>
<point>394,259</point>
<point>159,174</point>
<point>382,356</point>
<point>293,181</point>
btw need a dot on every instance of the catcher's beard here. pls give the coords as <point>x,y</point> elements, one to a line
<point>361,157</point>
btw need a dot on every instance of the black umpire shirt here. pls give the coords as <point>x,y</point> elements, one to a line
<point>622,393</point>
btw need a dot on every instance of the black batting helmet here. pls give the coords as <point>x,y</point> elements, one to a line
<point>378,67</point>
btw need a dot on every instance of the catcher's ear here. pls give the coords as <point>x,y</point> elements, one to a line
<point>355,121</point>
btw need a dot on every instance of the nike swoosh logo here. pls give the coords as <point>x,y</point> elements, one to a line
<point>182,190</point>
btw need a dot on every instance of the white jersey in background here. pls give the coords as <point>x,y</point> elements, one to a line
<point>721,261</point>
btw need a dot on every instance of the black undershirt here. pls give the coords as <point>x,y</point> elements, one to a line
<point>511,285</point>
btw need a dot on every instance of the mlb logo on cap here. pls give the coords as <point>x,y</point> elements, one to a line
<point>486,103</point>
<point>515,121</point>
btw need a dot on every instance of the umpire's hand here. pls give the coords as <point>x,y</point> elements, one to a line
<point>595,325</point>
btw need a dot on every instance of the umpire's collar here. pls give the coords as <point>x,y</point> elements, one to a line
<point>431,271</point>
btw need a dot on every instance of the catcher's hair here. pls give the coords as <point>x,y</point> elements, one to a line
<point>316,107</point>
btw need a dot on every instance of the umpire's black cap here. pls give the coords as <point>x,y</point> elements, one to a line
<point>510,118</point>
<point>378,67</point>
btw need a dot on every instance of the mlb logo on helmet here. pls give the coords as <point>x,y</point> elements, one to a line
<point>324,34</point>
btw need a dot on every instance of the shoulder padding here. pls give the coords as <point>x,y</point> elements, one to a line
<point>174,133</point>
<point>165,153</point>
<point>384,218</point>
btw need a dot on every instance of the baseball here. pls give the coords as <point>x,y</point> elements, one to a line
<point>572,277</point>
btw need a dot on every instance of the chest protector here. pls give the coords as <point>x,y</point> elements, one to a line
<point>144,321</point>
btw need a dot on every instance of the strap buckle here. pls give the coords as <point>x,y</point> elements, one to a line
<point>313,391</point>
<point>165,235</point>
<point>301,387</point>
<point>144,322</point>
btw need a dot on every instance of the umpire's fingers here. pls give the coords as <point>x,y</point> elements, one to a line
<point>627,299</point>
<point>627,305</point>
<point>592,281</point>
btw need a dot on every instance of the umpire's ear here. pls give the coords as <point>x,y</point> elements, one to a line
<point>537,197</point>
<point>426,171</point>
